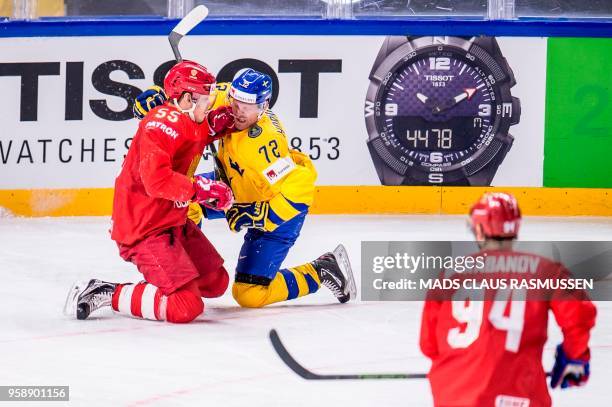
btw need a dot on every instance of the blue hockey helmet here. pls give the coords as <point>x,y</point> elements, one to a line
<point>251,86</point>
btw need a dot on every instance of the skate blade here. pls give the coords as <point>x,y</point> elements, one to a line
<point>345,266</point>
<point>70,306</point>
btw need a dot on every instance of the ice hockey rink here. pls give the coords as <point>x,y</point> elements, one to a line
<point>224,358</point>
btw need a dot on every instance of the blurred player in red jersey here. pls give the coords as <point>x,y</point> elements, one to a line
<point>489,353</point>
<point>152,194</point>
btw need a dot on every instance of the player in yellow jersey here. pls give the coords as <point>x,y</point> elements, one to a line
<point>273,187</point>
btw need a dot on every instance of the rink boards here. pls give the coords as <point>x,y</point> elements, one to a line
<point>341,200</point>
<point>69,124</point>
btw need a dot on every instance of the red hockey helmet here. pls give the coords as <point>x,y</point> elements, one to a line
<point>497,214</point>
<point>188,76</point>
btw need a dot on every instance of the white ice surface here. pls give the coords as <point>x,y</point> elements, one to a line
<point>224,358</point>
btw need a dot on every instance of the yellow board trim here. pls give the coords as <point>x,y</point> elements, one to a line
<point>376,199</point>
<point>58,202</point>
<point>342,200</point>
<point>46,8</point>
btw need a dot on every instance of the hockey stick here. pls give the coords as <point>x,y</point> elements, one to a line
<point>188,23</point>
<point>193,18</point>
<point>301,371</point>
<point>218,165</point>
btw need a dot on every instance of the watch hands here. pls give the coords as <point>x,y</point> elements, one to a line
<point>466,94</point>
<point>425,100</point>
<point>422,97</point>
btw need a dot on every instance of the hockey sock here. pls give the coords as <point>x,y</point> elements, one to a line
<point>301,280</point>
<point>146,301</point>
<point>286,285</point>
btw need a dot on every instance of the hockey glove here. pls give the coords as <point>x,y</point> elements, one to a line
<point>212,194</point>
<point>147,100</point>
<point>569,372</point>
<point>248,216</point>
<point>220,121</point>
<point>208,213</point>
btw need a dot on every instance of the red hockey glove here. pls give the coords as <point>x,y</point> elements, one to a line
<point>212,194</point>
<point>220,121</point>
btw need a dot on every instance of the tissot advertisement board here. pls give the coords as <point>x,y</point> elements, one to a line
<point>369,110</point>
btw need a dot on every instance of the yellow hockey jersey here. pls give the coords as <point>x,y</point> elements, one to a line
<point>260,166</point>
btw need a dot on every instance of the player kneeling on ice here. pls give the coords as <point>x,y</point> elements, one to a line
<point>273,186</point>
<point>489,353</point>
<point>152,193</point>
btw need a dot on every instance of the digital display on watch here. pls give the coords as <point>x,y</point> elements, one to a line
<point>456,134</point>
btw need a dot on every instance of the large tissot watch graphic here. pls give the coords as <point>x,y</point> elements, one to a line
<point>439,109</point>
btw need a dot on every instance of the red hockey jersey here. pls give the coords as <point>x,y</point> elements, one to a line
<point>489,353</point>
<point>154,186</point>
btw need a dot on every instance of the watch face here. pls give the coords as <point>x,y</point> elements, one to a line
<point>438,107</point>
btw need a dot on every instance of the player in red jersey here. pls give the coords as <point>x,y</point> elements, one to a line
<point>489,353</point>
<point>152,194</point>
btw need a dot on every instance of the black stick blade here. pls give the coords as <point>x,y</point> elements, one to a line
<point>288,359</point>
<point>301,371</point>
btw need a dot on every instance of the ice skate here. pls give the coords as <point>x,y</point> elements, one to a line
<point>334,271</point>
<point>86,297</point>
